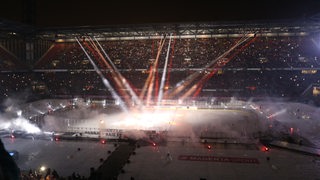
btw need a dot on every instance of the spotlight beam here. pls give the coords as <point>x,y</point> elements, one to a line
<point>154,71</point>
<point>94,49</point>
<point>206,77</point>
<point>191,78</point>
<point>148,81</point>
<point>124,81</point>
<point>104,80</point>
<point>170,65</point>
<point>163,78</point>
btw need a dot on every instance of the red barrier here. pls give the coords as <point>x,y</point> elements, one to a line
<point>219,159</point>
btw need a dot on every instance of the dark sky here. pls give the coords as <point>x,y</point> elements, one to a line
<point>107,12</point>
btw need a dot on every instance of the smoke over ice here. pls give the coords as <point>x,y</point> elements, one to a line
<point>12,119</point>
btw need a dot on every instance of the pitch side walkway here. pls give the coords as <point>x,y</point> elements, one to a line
<point>296,147</point>
<point>114,164</point>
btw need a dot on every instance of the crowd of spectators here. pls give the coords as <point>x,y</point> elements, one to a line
<point>13,82</point>
<point>263,52</point>
<point>266,66</point>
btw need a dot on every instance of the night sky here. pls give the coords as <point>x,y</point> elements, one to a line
<point>105,12</point>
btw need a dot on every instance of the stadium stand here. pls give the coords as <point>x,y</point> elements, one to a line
<point>279,60</point>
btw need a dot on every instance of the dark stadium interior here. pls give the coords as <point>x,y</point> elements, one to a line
<point>61,56</point>
<point>81,13</point>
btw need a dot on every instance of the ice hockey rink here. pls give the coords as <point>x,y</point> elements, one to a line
<point>202,144</point>
<point>178,159</point>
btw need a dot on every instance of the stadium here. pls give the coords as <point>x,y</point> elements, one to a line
<point>207,100</point>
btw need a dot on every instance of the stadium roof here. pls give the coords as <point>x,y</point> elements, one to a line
<point>189,30</point>
<point>77,13</point>
<point>15,27</point>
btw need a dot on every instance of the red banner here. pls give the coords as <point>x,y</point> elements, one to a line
<point>219,159</point>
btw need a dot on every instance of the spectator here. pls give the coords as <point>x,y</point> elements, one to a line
<point>8,167</point>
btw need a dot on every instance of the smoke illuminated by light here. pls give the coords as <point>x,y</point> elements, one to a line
<point>178,121</point>
<point>19,123</point>
<point>282,111</point>
<point>19,113</point>
<point>146,120</point>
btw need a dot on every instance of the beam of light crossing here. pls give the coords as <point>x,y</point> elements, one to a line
<point>153,72</point>
<point>114,75</point>
<point>124,81</point>
<point>170,65</point>
<point>164,73</point>
<point>104,80</point>
<point>186,82</point>
<point>148,80</point>
<point>207,76</point>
